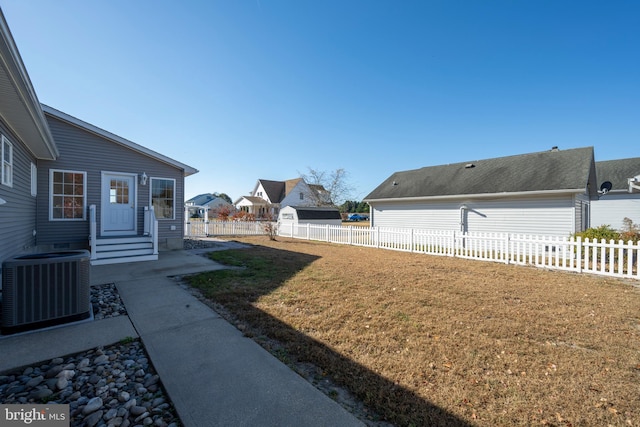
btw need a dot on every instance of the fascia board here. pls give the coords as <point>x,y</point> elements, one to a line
<point>12,63</point>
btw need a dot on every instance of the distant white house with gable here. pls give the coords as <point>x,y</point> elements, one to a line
<point>268,197</point>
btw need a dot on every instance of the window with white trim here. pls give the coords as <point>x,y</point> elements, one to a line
<point>34,180</point>
<point>6,167</point>
<point>67,195</point>
<point>163,197</point>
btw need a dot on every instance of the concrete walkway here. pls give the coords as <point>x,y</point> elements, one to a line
<point>213,374</point>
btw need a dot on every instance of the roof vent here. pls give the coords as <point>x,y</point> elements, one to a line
<point>555,148</point>
<point>469,166</point>
<point>395,183</point>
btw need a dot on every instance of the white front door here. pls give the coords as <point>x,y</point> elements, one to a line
<point>118,204</point>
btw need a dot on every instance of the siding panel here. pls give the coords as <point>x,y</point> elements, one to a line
<point>611,209</point>
<point>17,216</point>
<point>548,216</point>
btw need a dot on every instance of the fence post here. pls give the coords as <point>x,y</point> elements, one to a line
<point>635,254</point>
<point>455,244</point>
<point>186,220</point>
<point>377,237</point>
<point>327,231</point>
<point>507,248</point>
<point>411,242</point>
<point>579,254</point>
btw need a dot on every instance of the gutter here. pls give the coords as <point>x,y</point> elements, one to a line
<point>480,196</point>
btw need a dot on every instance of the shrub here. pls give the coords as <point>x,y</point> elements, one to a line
<point>630,231</point>
<point>223,213</point>
<point>243,216</point>
<point>598,233</point>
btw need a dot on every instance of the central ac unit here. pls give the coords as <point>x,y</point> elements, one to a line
<point>45,289</point>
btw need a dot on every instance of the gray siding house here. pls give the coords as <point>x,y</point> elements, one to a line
<point>66,184</point>
<point>619,200</point>
<point>538,193</point>
<point>120,178</point>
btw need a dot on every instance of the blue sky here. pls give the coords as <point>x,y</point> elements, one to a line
<point>248,89</point>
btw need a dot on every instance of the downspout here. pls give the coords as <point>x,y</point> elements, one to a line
<point>463,208</point>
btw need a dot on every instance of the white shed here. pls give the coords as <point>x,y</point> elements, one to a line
<point>309,215</point>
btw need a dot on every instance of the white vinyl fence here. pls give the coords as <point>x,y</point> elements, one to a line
<point>611,258</point>
<point>620,259</point>
<point>196,227</point>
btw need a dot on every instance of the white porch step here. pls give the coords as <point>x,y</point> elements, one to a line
<point>124,249</point>
<point>103,261</point>
<point>121,239</point>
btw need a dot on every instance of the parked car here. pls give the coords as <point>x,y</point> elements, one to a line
<point>357,217</point>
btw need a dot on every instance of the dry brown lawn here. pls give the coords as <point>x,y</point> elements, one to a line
<point>426,340</point>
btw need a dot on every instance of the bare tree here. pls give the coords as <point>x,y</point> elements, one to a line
<point>335,186</point>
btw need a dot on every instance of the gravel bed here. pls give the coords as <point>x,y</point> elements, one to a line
<point>112,386</point>
<point>106,302</point>
<point>199,244</point>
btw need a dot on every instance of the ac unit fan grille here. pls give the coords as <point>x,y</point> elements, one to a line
<point>45,291</point>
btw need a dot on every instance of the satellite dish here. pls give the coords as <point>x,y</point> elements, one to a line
<point>605,187</point>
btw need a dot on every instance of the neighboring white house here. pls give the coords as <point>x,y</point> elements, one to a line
<point>207,202</point>
<point>544,193</point>
<point>308,215</point>
<point>268,197</point>
<point>617,198</point>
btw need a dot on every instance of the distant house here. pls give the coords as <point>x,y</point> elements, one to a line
<point>297,215</point>
<point>268,197</point>
<point>207,202</point>
<point>546,193</point>
<point>617,198</point>
<point>67,184</point>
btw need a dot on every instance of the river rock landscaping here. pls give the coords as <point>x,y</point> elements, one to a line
<point>112,386</point>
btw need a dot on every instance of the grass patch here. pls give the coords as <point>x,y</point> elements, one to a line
<point>427,340</point>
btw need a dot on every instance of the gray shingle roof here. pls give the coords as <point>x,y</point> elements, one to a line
<point>253,199</point>
<point>201,199</point>
<point>274,189</point>
<point>617,172</point>
<point>306,212</point>
<point>543,171</point>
